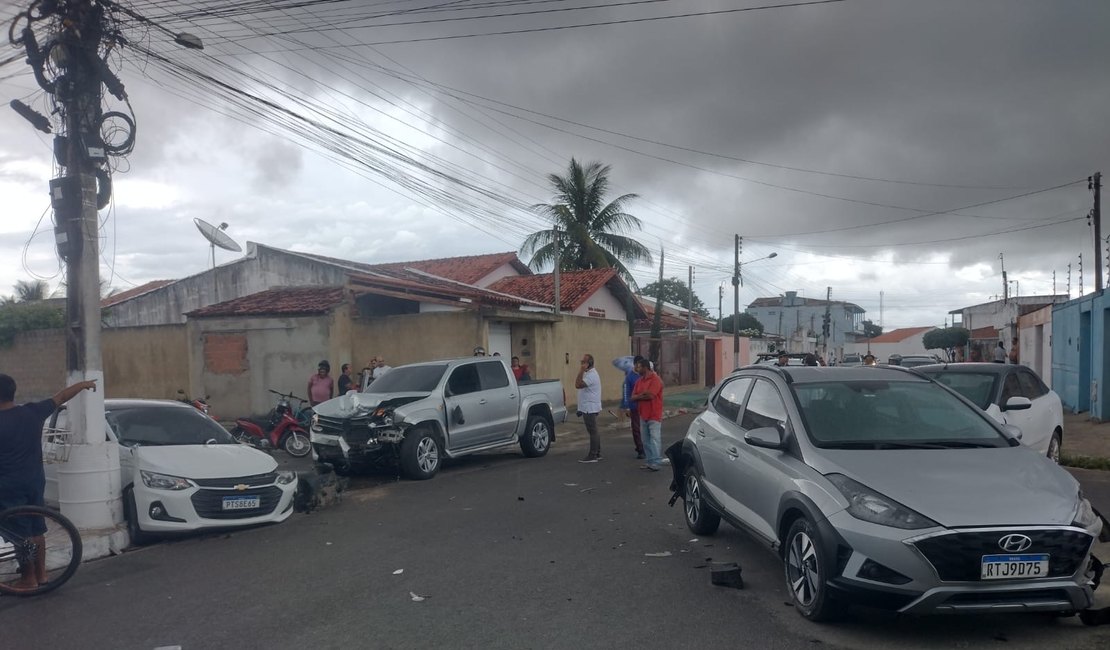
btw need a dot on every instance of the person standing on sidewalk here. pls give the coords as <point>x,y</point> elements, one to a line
<point>22,479</point>
<point>588,383</point>
<point>648,393</point>
<point>630,406</point>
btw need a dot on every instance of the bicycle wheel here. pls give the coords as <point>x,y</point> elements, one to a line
<point>57,560</point>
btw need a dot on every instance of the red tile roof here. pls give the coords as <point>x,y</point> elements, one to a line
<point>469,268</point>
<point>673,318</point>
<point>575,287</point>
<point>800,301</point>
<point>283,301</point>
<point>899,335</point>
<point>117,298</point>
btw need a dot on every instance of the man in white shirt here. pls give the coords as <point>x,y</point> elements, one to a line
<point>380,368</point>
<point>588,383</point>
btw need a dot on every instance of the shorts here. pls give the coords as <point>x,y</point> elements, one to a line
<point>18,495</point>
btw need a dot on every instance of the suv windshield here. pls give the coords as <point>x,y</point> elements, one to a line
<point>166,425</point>
<point>870,414</point>
<point>411,379</point>
<point>979,387</point>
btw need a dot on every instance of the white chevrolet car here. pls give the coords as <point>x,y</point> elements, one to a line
<point>181,471</point>
<point>1011,394</point>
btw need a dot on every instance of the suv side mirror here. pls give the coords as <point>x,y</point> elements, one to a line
<point>1017,403</point>
<point>765,437</point>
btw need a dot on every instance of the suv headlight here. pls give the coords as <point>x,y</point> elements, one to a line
<point>285,478</point>
<point>868,505</point>
<point>1086,517</point>
<point>164,481</point>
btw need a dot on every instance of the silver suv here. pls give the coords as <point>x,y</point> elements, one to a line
<point>879,486</point>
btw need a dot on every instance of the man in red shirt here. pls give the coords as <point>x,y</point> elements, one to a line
<point>648,394</point>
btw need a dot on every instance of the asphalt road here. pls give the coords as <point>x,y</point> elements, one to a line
<point>506,552</point>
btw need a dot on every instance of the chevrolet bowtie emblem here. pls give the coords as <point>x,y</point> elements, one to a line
<point>241,487</point>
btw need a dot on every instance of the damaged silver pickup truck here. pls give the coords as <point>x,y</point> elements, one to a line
<point>417,415</point>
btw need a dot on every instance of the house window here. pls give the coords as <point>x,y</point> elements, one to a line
<point>595,312</point>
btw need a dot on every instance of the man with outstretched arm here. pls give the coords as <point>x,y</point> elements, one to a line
<point>22,479</point>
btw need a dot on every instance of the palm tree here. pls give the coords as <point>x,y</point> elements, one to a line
<point>589,229</point>
<point>27,290</point>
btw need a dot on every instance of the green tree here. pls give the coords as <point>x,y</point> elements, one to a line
<point>949,337</point>
<point>748,324</point>
<point>28,290</point>
<point>590,231</point>
<point>676,292</point>
<point>871,330</point>
<point>24,316</point>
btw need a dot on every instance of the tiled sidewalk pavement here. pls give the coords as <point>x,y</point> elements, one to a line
<point>1082,437</point>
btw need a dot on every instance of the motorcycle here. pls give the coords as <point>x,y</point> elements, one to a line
<point>280,430</point>
<point>200,403</point>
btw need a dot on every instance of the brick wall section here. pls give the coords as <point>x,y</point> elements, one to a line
<point>225,354</point>
<point>37,362</point>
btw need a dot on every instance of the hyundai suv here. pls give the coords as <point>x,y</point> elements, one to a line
<point>880,486</point>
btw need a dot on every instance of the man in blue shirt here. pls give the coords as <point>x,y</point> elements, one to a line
<point>629,405</point>
<point>22,480</point>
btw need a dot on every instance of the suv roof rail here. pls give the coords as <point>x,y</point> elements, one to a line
<point>759,366</point>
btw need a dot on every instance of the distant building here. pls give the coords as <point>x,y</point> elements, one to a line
<point>799,320</point>
<point>904,341</point>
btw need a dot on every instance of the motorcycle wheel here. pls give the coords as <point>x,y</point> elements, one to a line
<point>297,444</point>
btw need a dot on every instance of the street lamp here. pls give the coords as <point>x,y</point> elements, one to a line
<point>737,281</point>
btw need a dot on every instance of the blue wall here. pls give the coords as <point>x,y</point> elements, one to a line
<point>1080,330</point>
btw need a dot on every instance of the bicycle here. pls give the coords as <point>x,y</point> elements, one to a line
<point>57,559</point>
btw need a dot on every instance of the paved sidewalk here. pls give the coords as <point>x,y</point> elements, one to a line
<point>1083,437</point>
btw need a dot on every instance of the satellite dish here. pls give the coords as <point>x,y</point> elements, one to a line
<point>217,237</point>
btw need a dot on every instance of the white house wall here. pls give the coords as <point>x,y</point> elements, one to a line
<point>603,300</point>
<point>506,270</point>
<point>912,345</point>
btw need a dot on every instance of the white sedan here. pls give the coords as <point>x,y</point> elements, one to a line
<point>181,471</point>
<point>1011,394</point>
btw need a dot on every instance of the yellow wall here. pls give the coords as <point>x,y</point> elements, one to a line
<point>560,346</point>
<point>412,338</point>
<point>148,362</point>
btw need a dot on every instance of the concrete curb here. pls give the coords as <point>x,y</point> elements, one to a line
<point>97,544</point>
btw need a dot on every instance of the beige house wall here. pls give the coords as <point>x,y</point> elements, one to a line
<point>559,347</point>
<point>413,338</point>
<point>148,362</point>
<point>37,362</point>
<point>236,361</point>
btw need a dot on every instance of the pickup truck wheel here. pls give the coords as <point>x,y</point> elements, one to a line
<point>420,455</point>
<point>537,437</point>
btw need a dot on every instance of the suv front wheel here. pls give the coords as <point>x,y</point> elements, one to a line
<point>807,572</point>
<point>700,518</point>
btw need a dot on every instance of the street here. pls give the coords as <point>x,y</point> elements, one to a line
<point>506,552</point>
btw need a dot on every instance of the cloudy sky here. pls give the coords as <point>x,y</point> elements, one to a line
<point>887,147</point>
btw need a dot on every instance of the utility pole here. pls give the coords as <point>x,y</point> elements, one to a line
<point>690,304</point>
<point>558,263</point>
<point>1053,282</point>
<point>1081,275</point>
<point>1069,280</point>
<point>738,244</point>
<point>657,318</point>
<point>1094,183</point>
<point>1005,285</point>
<point>827,321</point>
<point>880,309</point>
<point>720,307</point>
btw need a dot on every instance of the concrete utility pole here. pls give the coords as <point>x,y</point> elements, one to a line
<point>558,263</point>
<point>1069,280</point>
<point>720,306</point>
<point>1005,285</point>
<point>1094,183</point>
<point>88,488</point>
<point>738,244</point>
<point>1081,275</point>
<point>690,305</point>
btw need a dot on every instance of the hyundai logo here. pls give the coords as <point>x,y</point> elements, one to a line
<point>1015,543</point>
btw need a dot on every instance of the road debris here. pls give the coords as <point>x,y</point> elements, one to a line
<point>416,598</point>
<point>660,554</point>
<point>398,572</point>
<point>727,574</point>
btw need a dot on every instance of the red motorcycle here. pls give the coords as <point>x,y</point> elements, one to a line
<point>278,431</point>
<point>200,403</point>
